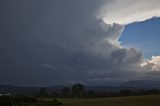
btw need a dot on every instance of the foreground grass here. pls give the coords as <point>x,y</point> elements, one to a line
<point>148,100</point>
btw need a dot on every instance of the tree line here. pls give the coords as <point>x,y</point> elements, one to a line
<point>80,91</point>
<point>76,91</point>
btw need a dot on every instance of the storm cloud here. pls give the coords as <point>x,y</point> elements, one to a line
<point>63,42</point>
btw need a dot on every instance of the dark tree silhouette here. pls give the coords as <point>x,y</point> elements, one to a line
<point>43,93</point>
<point>65,92</point>
<point>78,90</point>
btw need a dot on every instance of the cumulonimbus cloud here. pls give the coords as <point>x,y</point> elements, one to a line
<point>72,38</point>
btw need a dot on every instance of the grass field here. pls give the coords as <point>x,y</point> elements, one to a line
<point>148,100</point>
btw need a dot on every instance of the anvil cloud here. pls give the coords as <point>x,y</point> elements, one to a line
<point>130,11</point>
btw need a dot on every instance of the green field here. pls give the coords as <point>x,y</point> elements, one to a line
<point>149,100</point>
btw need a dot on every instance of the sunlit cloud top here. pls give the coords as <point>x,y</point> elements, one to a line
<point>129,11</point>
<point>153,64</point>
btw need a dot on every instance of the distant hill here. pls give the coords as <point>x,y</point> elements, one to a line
<point>26,90</point>
<point>50,89</point>
<point>145,84</point>
<point>18,90</point>
<point>130,85</point>
<point>110,88</point>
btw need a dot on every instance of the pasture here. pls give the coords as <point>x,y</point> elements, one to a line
<point>147,100</point>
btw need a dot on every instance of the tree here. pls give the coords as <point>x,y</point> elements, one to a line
<point>43,93</point>
<point>65,92</point>
<point>78,90</point>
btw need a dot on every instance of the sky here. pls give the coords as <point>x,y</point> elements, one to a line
<point>143,35</point>
<point>94,42</point>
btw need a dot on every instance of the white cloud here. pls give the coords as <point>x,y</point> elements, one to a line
<point>153,64</point>
<point>130,11</point>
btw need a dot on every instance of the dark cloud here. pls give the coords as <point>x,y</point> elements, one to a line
<point>62,41</point>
